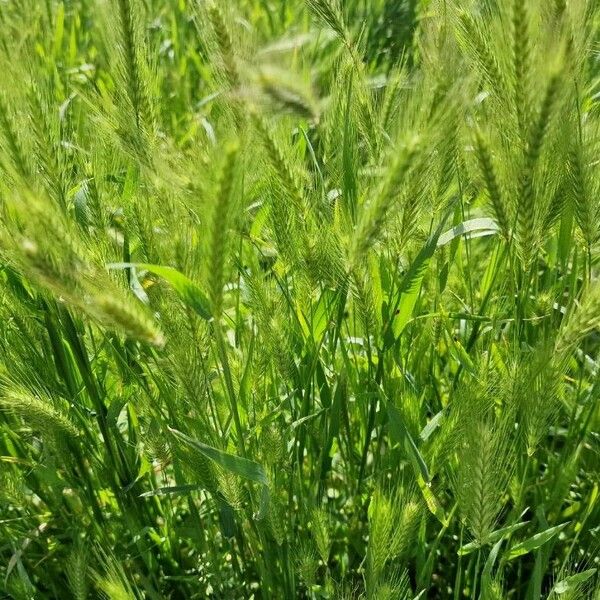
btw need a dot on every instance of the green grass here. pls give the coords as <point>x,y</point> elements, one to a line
<point>299,299</point>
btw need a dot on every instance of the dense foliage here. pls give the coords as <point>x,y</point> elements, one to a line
<point>299,299</point>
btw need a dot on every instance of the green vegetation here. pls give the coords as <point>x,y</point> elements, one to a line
<point>299,299</point>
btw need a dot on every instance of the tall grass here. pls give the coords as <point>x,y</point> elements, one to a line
<point>299,299</point>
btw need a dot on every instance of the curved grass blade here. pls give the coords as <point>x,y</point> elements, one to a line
<point>189,292</point>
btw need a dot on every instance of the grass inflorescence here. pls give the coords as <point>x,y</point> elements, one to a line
<point>299,299</point>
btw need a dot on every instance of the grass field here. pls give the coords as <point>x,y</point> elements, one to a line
<point>299,299</point>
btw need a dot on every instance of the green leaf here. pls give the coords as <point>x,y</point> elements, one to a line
<point>247,469</point>
<point>242,467</point>
<point>539,539</point>
<point>494,537</point>
<point>310,417</point>
<point>171,490</point>
<point>482,227</point>
<point>189,292</point>
<point>432,425</point>
<point>433,504</point>
<point>410,286</point>
<point>570,584</point>
<point>399,432</point>
<point>491,560</point>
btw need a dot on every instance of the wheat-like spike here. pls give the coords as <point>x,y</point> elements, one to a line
<point>306,563</point>
<point>371,222</point>
<point>219,233</point>
<point>77,575</point>
<point>329,12</point>
<point>584,213</point>
<point>492,185</point>
<point>408,513</point>
<point>280,163</point>
<point>521,58</point>
<point>476,38</point>
<point>363,300</point>
<point>198,466</point>
<point>483,471</point>
<point>44,266</point>
<point>55,259</point>
<point>130,51</point>
<point>492,589</point>
<point>484,504</point>
<point>37,410</point>
<point>156,445</point>
<point>225,44</point>
<point>381,529</point>
<point>536,380</point>
<point>320,528</point>
<point>393,587</point>
<point>48,149</point>
<point>555,206</point>
<point>278,520</point>
<point>232,489</point>
<point>14,146</point>
<point>286,95</point>
<point>526,212</point>
<point>582,320</point>
<point>125,316</point>
<point>323,258</point>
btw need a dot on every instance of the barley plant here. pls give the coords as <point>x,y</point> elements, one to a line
<point>300,299</point>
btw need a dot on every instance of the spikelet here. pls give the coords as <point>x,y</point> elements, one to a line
<point>412,200</point>
<point>408,516</point>
<point>395,587</point>
<point>272,441</point>
<point>556,206</point>
<point>363,301</point>
<point>323,258</point>
<point>537,389</point>
<point>491,589</point>
<point>526,211</point>
<point>38,410</point>
<point>393,525</point>
<point>41,245</point>
<point>113,587</point>
<point>199,468</point>
<point>77,575</point>
<point>12,489</point>
<point>579,187</point>
<point>12,142</point>
<point>320,529</point>
<point>521,60</point>
<point>231,488</point>
<point>46,268</point>
<point>279,162</point>
<point>155,444</point>
<point>582,320</point>
<point>329,12</point>
<point>286,94</point>
<point>48,149</point>
<point>225,44</point>
<point>219,232</point>
<point>130,50</point>
<point>381,531</point>
<point>306,564</point>
<point>472,34</point>
<point>277,519</point>
<point>374,216</point>
<point>483,472</point>
<point>126,316</point>
<point>491,182</point>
